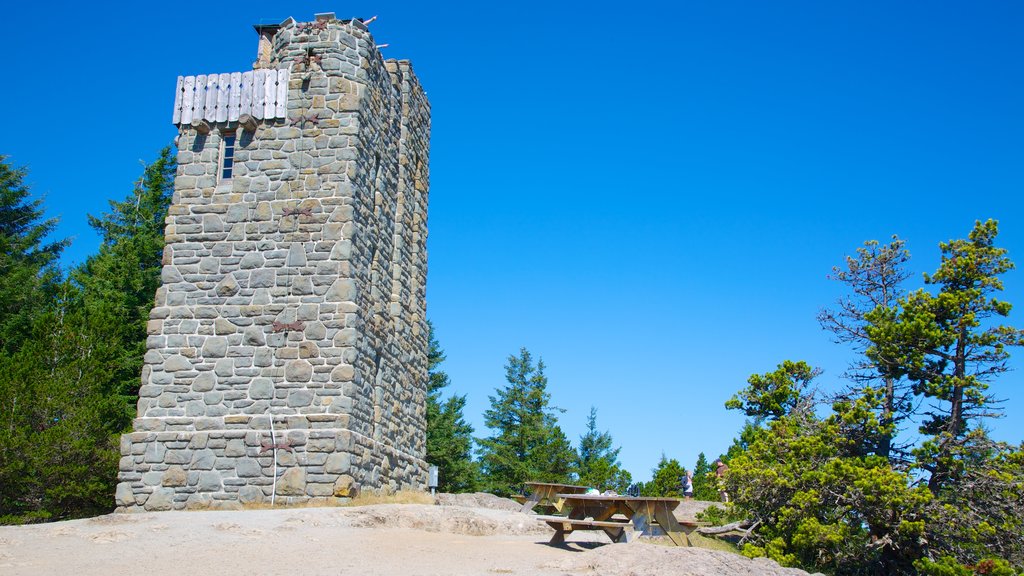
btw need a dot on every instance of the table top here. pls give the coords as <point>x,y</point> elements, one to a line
<point>620,498</point>
<point>554,485</point>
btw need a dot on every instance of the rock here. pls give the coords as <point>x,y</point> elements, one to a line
<point>215,347</point>
<point>292,482</point>
<point>209,481</point>
<point>338,463</point>
<point>300,398</point>
<point>204,382</point>
<point>161,499</point>
<point>235,448</point>
<point>228,286</point>
<point>174,476</point>
<point>345,487</point>
<point>343,373</point>
<point>177,363</point>
<point>248,468</point>
<point>261,389</point>
<point>298,371</point>
<point>342,290</point>
<point>203,460</point>
<point>123,495</point>
<point>250,495</point>
<point>296,255</point>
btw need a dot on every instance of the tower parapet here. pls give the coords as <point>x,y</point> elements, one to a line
<point>286,356</point>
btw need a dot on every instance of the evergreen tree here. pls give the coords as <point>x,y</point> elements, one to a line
<point>527,443</point>
<point>58,427</point>
<point>28,275</point>
<point>666,479</point>
<point>818,504</point>
<point>68,390</point>
<point>825,493</point>
<point>118,284</point>
<point>449,437</point>
<point>598,464</point>
<point>704,486</point>
<point>950,344</point>
<point>778,393</point>
<point>874,277</point>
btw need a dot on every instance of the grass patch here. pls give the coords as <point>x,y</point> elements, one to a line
<point>698,540</point>
<point>369,498</point>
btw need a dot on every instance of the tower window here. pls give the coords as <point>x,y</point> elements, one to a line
<point>227,156</point>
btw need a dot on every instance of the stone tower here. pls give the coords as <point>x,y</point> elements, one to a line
<point>287,346</point>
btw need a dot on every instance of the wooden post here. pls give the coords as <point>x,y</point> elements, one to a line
<point>201,126</point>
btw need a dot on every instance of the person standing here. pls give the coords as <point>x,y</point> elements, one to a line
<point>720,470</point>
<point>688,485</point>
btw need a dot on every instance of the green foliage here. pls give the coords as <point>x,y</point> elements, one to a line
<point>666,479</point>
<point>949,566</point>
<point>840,494</point>
<point>775,394</point>
<point>58,444</point>
<point>875,279</point>
<point>527,443</point>
<point>597,463</point>
<point>68,380</point>
<point>28,277</point>
<point>118,283</point>
<point>704,483</point>
<point>949,344</point>
<point>821,507</point>
<point>980,513</point>
<point>449,437</point>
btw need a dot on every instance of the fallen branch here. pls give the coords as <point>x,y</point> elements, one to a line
<point>733,527</point>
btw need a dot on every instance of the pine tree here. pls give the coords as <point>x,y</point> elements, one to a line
<point>119,283</point>
<point>526,443</point>
<point>666,479</point>
<point>28,276</point>
<point>597,463</point>
<point>950,345</point>
<point>875,279</point>
<point>449,437</point>
<point>67,390</point>
<point>704,484</point>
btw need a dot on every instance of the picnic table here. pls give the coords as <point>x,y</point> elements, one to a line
<point>622,518</point>
<point>548,495</point>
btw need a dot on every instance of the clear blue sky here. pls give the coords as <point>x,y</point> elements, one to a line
<point>648,195</point>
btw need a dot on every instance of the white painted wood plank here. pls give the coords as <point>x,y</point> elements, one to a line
<point>281,110</point>
<point>223,91</point>
<point>210,112</point>
<point>199,98</point>
<point>246,104</point>
<point>176,116</point>
<point>270,93</point>
<point>259,77</point>
<point>235,98</point>
<point>188,99</point>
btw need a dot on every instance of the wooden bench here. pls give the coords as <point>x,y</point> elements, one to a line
<point>617,530</point>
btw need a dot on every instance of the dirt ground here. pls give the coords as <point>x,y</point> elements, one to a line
<point>384,539</point>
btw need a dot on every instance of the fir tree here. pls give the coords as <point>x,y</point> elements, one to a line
<point>666,479</point>
<point>449,437</point>
<point>28,275</point>
<point>875,279</point>
<point>704,486</point>
<point>527,443</point>
<point>597,463</point>
<point>68,390</point>
<point>951,344</point>
<point>119,283</point>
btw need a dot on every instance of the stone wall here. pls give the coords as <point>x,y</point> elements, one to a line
<point>291,322</point>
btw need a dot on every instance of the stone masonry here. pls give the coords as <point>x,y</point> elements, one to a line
<point>287,346</point>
